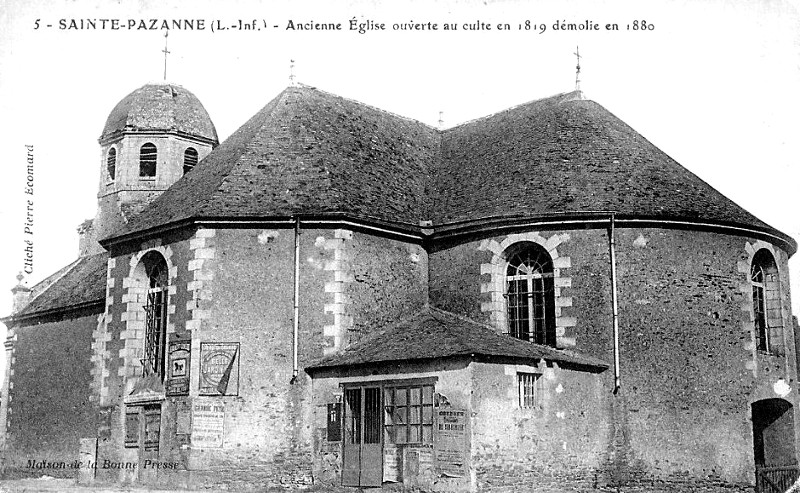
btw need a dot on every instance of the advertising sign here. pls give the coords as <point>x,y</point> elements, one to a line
<point>178,373</point>
<point>219,368</point>
<point>450,444</point>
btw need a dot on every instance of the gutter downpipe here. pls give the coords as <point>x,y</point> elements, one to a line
<point>614,312</point>
<point>295,369</point>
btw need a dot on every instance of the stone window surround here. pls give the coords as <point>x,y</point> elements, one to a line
<point>532,289</point>
<point>496,287</point>
<point>745,287</point>
<point>134,299</point>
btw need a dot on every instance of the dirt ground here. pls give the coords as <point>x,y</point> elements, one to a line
<point>46,484</point>
<point>66,486</point>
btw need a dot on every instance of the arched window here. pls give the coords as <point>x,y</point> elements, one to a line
<point>767,316</point>
<point>155,308</point>
<point>189,159</point>
<point>530,296</point>
<point>148,155</point>
<point>111,163</point>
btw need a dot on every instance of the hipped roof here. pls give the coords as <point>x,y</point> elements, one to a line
<point>311,153</point>
<point>81,283</point>
<point>435,334</point>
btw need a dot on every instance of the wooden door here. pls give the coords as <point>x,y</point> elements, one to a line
<point>150,433</point>
<point>362,464</point>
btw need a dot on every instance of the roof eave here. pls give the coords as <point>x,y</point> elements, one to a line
<point>474,356</point>
<point>600,219</point>
<point>456,229</point>
<point>62,310</point>
<point>392,228</point>
<point>118,134</point>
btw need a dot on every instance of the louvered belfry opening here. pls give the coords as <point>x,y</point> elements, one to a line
<point>189,159</point>
<point>148,157</point>
<point>111,163</point>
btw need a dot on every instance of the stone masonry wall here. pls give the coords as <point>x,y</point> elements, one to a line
<point>689,372</point>
<point>388,282</point>
<point>250,301</point>
<point>118,347</point>
<point>559,441</point>
<point>347,281</point>
<point>49,398</point>
<point>237,286</point>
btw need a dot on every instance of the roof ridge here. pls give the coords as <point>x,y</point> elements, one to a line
<point>365,105</point>
<point>511,108</point>
<point>229,164</point>
<point>462,318</point>
<point>64,271</point>
<point>431,127</point>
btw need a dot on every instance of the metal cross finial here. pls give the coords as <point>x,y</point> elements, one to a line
<point>578,69</point>
<point>166,52</point>
<point>291,72</point>
<point>441,121</point>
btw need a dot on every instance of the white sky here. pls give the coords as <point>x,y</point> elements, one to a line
<point>714,85</point>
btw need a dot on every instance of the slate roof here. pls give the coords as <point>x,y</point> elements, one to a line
<point>160,107</point>
<point>565,154</point>
<point>311,153</point>
<point>435,333</point>
<point>81,282</point>
<point>307,152</point>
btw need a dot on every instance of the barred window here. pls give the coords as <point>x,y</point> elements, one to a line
<point>155,314</point>
<point>767,314</point>
<point>408,414</point>
<point>528,390</point>
<point>148,156</point>
<point>111,163</point>
<point>759,308</point>
<point>530,295</point>
<point>189,159</point>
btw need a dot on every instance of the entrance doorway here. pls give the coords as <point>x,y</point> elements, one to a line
<point>143,432</point>
<point>363,449</point>
<point>774,445</point>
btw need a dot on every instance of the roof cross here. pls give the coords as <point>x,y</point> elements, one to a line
<point>578,69</point>
<point>166,52</point>
<point>291,72</point>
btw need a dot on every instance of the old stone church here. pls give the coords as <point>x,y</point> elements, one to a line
<point>536,300</point>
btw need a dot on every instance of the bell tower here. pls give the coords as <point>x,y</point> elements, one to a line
<point>153,137</point>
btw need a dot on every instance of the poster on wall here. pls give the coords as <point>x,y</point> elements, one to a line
<point>219,368</point>
<point>391,463</point>
<point>450,442</point>
<point>208,423</point>
<point>178,374</point>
